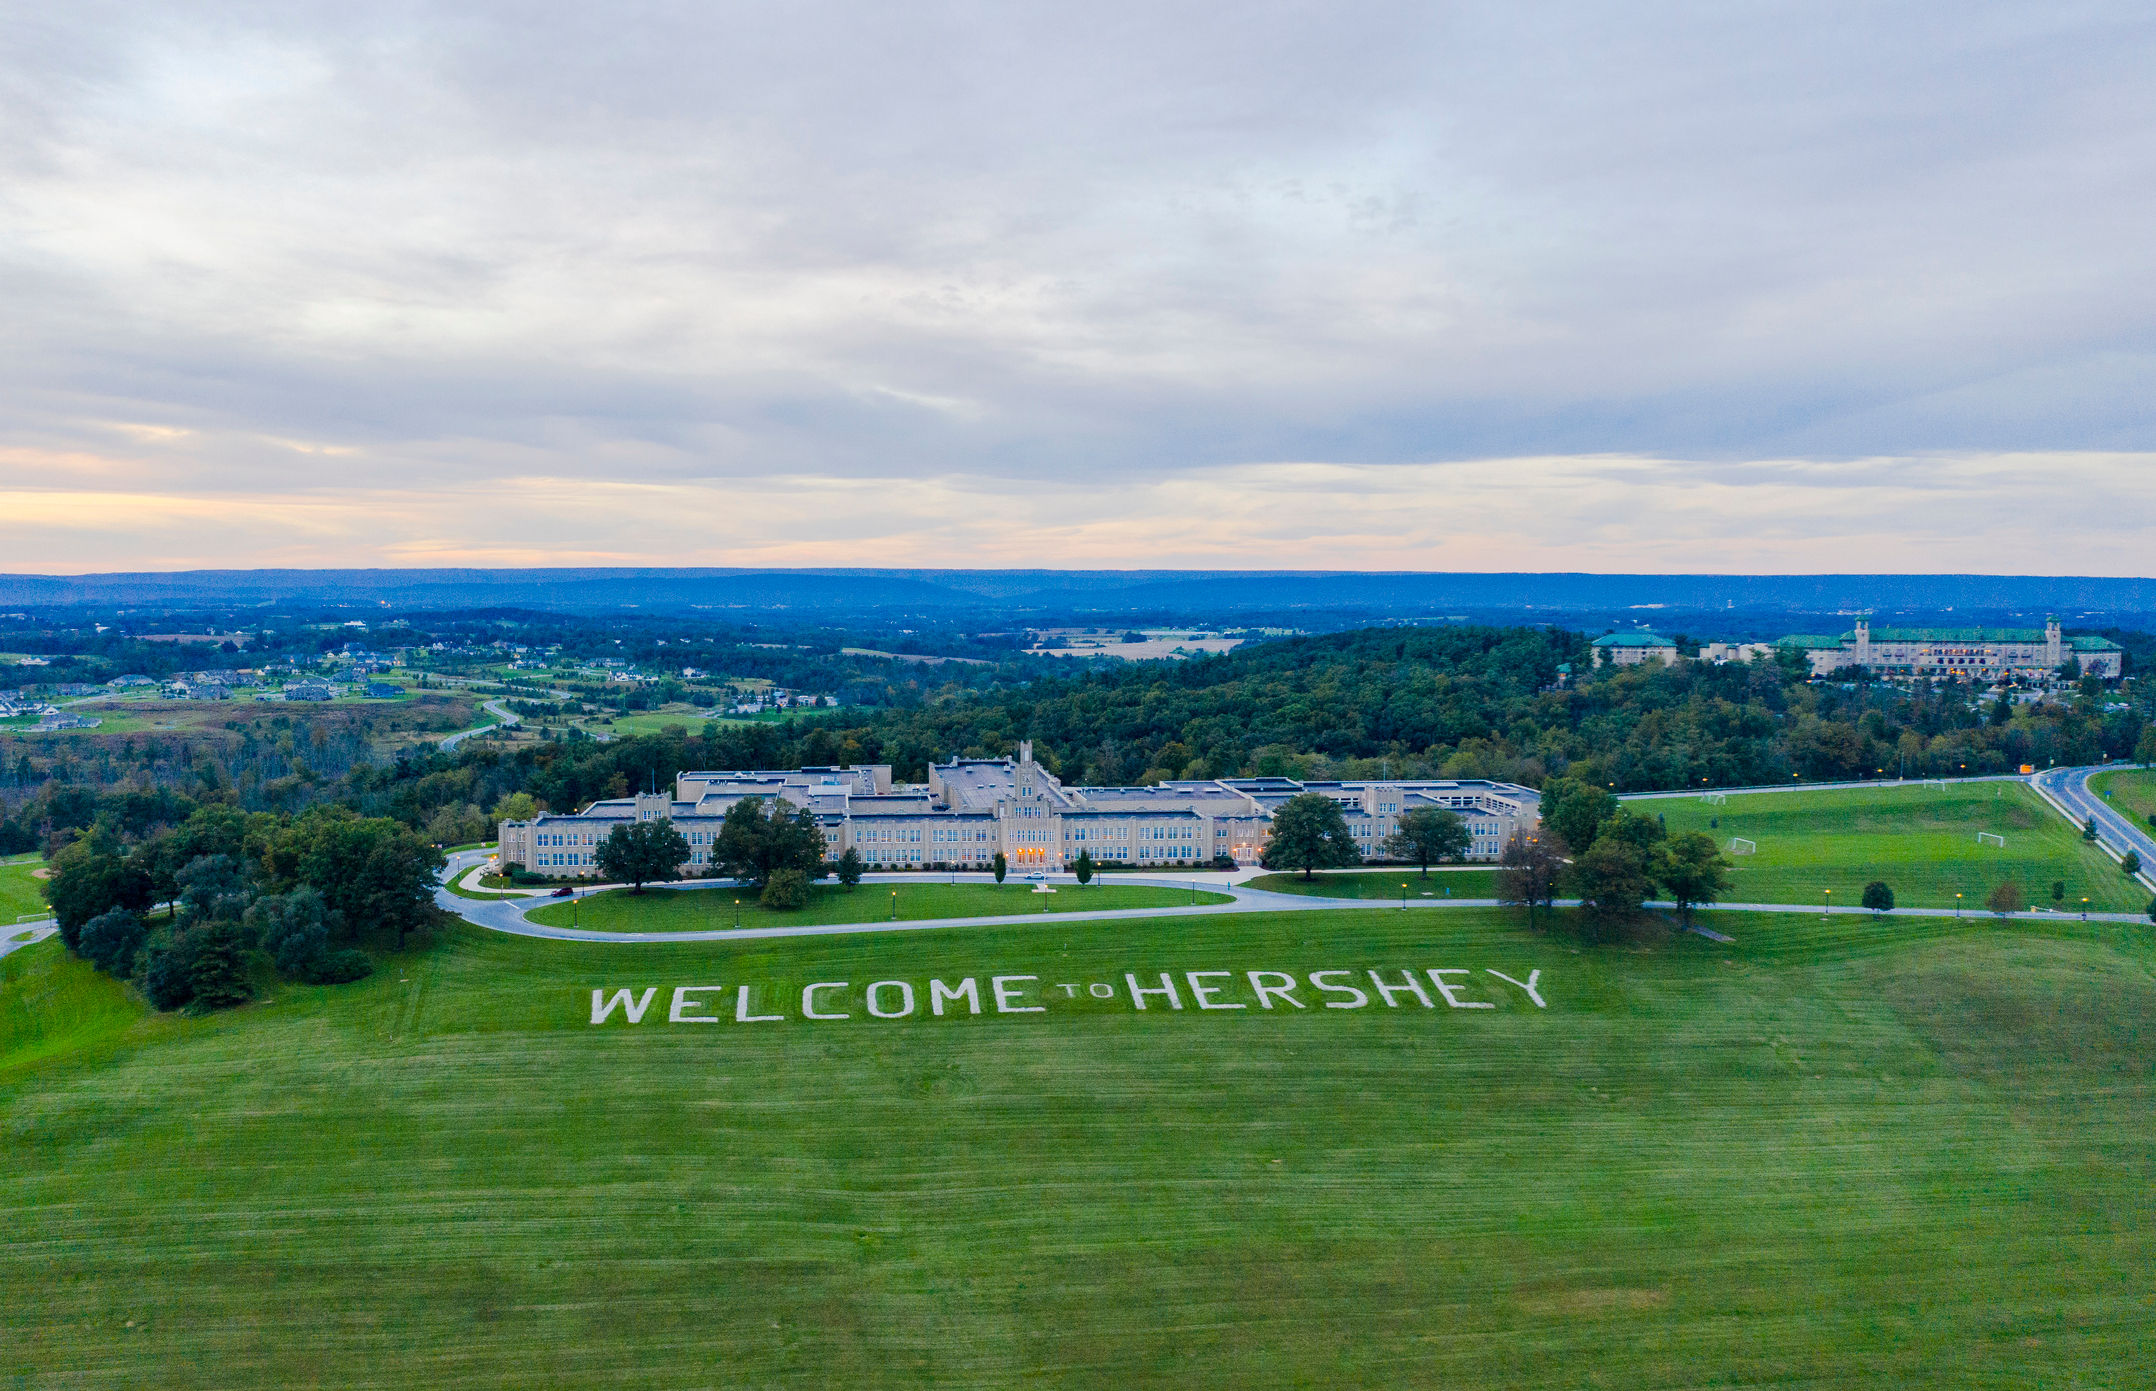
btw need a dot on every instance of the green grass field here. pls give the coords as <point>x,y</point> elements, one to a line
<point>21,892</point>
<point>687,718</point>
<point>1381,884</point>
<point>695,910</point>
<point>2133,793</point>
<point>1920,840</point>
<point>1832,1154</point>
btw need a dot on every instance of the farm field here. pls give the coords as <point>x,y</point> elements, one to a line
<point>1829,1154</point>
<point>2133,793</point>
<point>696,910</point>
<point>20,894</point>
<point>1383,884</point>
<point>1920,840</point>
<point>686,717</point>
<point>386,721</point>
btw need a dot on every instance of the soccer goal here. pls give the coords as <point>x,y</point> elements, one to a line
<point>1715,799</point>
<point>1990,838</point>
<point>1738,845</point>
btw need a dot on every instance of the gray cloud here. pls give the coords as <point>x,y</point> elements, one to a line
<point>1039,243</point>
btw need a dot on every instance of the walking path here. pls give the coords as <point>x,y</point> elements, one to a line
<point>20,936</point>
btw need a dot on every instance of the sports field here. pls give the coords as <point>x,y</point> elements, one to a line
<point>1831,1154</point>
<point>1920,840</point>
<point>1382,884</point>
<point>20,891</point>
<point>2133,793</point>
<point>696,910</point>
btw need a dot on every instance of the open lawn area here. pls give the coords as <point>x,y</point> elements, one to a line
<point>696,910</point>
<point>2133,793</point>
<point>686,717</point>
<point>21,892</point>
<point>1832,1154</point>
<point>1458,883</point>
<point>1920,840</point>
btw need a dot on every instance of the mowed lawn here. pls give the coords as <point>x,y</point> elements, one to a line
<point>1381,884</point>
<point>2133,793</point>
<point>1920,840</point>
<point>1831,1154</point>
<point>697,910</point>
<point>21,892</point>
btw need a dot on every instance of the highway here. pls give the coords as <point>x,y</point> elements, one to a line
<point>2069,789</point>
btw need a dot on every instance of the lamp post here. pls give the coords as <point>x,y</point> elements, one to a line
<point>894,905</point>
<point>737,912</point>
<point>1957,905</point>
<point>1403,895</point>
<point>1830,903</point>
<point>2084,910</point>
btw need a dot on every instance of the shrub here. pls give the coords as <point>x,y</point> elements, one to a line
<point>340,967</point>
<point>2131,864</point>
<point>2007,898</point>
<point>788,889</point>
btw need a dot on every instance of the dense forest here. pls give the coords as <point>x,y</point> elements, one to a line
<point>1450,701</point>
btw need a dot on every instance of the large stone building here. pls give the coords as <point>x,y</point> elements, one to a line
<point>969,809</point>
<point>1987,654</point>
<point>1630,649</point>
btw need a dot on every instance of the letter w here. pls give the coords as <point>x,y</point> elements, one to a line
<point>633,1008</point>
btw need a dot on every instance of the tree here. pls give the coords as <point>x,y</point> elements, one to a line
<point>1642,833</point>
<point>1083,867</point>
<point>516,806</point>
<point>787,889</point>
<point>89,878</point>
<point>372,872</point>
<point>2145,750</point>
<point>1001,866</point>
<point>1427,835</point>
<point>849,868</point>
<point>1878,896</point>
<point>1690,869</point>
<point>1310,833</point>
<point>1611,880</point>
<point>1576,810</point>
<point>2007,898</point>
<point>111,941</point>
<point>642,852</point>
<point>2131,864</point>
<point>762,836</point>
<point>2058,891</point>
<point>2088,830</point>
<point>1529,868</point>
<point>217,967</point>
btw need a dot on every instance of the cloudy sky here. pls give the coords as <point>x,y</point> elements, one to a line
<point>1713,286</point>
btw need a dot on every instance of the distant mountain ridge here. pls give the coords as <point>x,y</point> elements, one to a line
<point>1170,591</point>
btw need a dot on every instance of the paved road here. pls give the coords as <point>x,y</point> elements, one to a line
<point>1794,786</point>
<point>2069,787</point>
<point>508,915</point>
<point>504,716</point>
<point>29,933</point>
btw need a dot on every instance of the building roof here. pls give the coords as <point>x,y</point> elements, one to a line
<point>1954,635</point>
<point>1632,640</point>
<point>1809,641</point>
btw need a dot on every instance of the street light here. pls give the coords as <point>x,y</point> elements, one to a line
<point>1957,905</point>
<point>894,905</point>
<point>2084,910</point>
<point>1403,895</point>
<point>737,912</point>
<point>1830,904</point>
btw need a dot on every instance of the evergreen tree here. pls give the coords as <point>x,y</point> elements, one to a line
<point>849,868</point>
<point>1082,867</point>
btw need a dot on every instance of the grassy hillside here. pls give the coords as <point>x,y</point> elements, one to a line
<point>2133,793</point>
<point>1920,840</point>
<point>696,910</point>
<point>1832,1154</point>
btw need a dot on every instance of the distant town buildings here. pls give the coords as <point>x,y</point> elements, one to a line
<point>1630,649</point>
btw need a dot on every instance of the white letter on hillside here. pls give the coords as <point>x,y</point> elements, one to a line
<point>938,992</point>
<point>905,993</point>
<point>742,1015</point>
<point>679,1014</point>
<point>1167,988</point>
<point>1004,997</point>
<point>1317,982</point>
<point>808,999</point>
<point>1528,985</point>
<point>1285,990</point>
<point>1445,988</point>
<point>1204,993</point>
<point>634,1008</point>
<point>1388,991</point>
